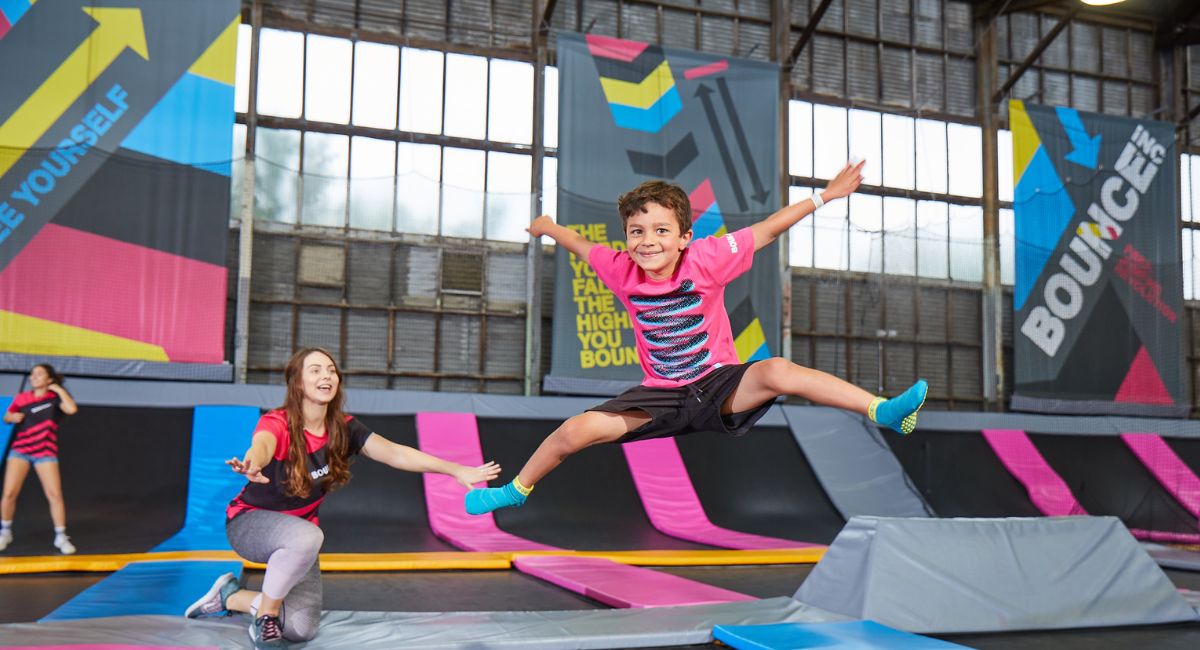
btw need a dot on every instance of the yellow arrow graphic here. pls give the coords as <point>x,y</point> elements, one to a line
<point>118,29</point>
<point>639,94</point>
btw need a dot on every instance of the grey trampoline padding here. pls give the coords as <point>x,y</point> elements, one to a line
<point>1085,425</point>
<point>1173,558</point>
<point>856,467</point>
<point>992,575</point>
<point>556,630</point>
<point>1192,598</point>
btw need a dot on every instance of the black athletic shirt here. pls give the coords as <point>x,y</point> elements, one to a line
<point>272,496</point>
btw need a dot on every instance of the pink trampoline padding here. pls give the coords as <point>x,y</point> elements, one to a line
<point>1166,466</point>
<point>671,502</point>
<point>1046,488</point>
<point>455,436</point>
<point>618,585</point>
<point>1165,536</point>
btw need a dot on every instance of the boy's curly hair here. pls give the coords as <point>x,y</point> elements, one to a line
<point>668,195</point>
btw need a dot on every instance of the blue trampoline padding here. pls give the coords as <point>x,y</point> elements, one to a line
<point>850,634</point>
<point>218,433</point>
<point>5,428</point>
<point>165,588</point>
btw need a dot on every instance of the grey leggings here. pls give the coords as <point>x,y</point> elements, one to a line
<point>289,546</point>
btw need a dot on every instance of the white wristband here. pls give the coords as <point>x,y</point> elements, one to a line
<point>817,201</point>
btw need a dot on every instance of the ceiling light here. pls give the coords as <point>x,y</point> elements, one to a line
<point>1101,3</point>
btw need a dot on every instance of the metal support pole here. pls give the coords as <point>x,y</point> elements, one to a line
<point>780,37</point>
<point>1172,65</point>
<point>241,354</point>
<point>533,251</point>
<point>808,32</point>
<point>993,303</point>
<point>543,22</point>
<point>1191,115</point>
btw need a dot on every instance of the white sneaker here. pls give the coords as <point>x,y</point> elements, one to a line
<point>63,543</point>
<point>5,539</point>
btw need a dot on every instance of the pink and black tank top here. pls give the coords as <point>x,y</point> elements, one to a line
<point>37,435</point>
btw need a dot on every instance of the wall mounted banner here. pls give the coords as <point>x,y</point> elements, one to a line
<point>116,127</point>
<point>1098,297</point>
<point>631,112</point>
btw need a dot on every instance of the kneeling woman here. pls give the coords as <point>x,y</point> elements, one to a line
<point>300,452</point>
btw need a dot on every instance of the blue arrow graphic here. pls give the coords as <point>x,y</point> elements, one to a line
<point>1087,147</point>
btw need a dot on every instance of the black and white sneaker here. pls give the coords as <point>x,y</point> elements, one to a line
<point>267,632</point>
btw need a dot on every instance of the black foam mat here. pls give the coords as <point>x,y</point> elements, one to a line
<point>760,483</point>
<point>587,503</point>
<point>1188,450</point>
<point>1108,479</point>
<point>124,479</point>
<point>960,476</point>
<point>381,509</point>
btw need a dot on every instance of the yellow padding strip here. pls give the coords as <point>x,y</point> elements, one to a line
<point>698,557</point>
<point>329,561</point>
<point>419,561</point>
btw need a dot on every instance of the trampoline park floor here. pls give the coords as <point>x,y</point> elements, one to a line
<point>590,503</point>
<point>29,597</point>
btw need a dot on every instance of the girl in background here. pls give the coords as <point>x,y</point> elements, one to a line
<point>36,414</point>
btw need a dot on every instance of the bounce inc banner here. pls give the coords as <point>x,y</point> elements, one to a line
<point>1098,297</point>
<point>631,112</point>
<point>116,127</point>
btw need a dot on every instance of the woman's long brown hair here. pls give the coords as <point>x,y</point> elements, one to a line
<point>337,443</point>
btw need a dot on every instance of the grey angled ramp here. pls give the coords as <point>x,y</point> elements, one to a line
<point>992,575</point>
<point>856,467</point>
<point>341,630</point>
<point>1192,598</point>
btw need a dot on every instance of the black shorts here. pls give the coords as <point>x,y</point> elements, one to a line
<point>687,409</point>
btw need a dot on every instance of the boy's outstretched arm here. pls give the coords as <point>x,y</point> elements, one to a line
<point>563,236</point>
<point>841,186</point>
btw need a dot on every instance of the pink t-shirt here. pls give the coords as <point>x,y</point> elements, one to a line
<point>681,326</point>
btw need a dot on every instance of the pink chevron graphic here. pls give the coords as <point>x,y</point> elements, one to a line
<point>702,199</point>
<point>705,70</point>
<point>4,25</point>
<point>1142,383</point>
<point>615,48</point>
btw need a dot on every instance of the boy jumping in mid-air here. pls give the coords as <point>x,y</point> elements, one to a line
<point>675,294</point>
